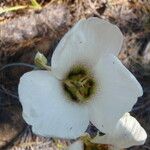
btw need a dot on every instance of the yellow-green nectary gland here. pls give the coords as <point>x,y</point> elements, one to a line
<point>79,85</point>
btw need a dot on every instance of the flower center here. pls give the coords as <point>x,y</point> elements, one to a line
<point>79,84</point>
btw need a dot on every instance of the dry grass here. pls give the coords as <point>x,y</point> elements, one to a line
<point>133,18</point>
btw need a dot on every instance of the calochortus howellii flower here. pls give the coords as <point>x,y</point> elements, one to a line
<point>127,132</point>
<point>85,83</point>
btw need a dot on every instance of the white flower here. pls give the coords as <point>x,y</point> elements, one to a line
<point>87,82</point>
<point>128,132</point>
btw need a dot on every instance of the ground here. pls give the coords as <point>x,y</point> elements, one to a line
<point>23,31</point>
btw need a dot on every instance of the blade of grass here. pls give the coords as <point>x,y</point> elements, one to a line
<point>8,9</point>
<point>35,5</point>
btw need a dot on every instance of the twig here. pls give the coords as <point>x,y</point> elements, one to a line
<point>17,64</point>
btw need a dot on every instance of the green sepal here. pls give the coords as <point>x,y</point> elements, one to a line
<point>40,60</point>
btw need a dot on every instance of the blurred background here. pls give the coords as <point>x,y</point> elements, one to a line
<point>27,27</point>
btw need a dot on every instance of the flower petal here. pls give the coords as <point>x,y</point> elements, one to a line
<point>85,43</point>
<point>117,94</point>
<point>47,110</point>
<point>128,132</point>
<point>78,145</point>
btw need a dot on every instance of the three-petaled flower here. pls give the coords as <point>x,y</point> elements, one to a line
<point>87,83</point>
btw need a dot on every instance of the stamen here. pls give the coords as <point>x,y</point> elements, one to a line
<point>79,84</point>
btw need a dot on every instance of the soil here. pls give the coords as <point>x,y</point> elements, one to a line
<point>23,32</point>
